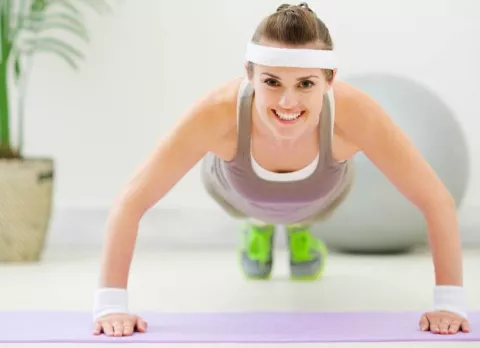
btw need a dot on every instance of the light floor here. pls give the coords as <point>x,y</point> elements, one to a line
<point>210,281</point>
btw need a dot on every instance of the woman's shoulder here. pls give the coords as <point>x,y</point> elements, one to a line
<point>352,105</point>
<point>220,104</point>
<point>209,122</point>
<point>356,113</point>
<point>347,95</point>
<point>225,95</point>
<point>360,120</point>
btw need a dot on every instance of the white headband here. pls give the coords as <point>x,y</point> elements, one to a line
<point>301,58</point>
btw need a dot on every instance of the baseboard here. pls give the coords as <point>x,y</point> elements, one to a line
<point>178,228</point>
<point>159,228</point>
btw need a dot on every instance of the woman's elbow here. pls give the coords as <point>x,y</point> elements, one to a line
<point>130,203</point>
<point>442,201</point>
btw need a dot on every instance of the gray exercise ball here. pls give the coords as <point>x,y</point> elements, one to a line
<point>375,217</point>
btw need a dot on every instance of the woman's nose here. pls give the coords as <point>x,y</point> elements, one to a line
<point>288,100</point>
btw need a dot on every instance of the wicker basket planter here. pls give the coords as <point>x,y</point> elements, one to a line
<point>26,190</point>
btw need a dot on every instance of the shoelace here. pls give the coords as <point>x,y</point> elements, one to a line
<point>301,245</point>
<point>258,244</point>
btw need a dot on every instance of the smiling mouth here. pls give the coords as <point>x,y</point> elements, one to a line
<point>288,117</point>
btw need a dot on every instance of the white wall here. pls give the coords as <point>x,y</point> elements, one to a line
<point>151,59</point>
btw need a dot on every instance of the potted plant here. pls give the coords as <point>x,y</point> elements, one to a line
<point>28,27</point>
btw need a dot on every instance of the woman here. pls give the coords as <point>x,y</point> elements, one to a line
<point>276,147</point>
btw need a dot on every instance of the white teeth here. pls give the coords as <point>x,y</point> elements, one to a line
<point>287,117</point>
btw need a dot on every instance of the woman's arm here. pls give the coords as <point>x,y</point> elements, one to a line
<point>197,133</point>
<point>367,125</point>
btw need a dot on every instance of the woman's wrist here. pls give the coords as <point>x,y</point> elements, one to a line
<point>451,298</point>
<point>110,301</point>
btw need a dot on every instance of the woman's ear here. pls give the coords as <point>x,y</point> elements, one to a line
<point>334,74</point>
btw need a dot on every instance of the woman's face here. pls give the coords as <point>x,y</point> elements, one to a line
<point>288,101</point>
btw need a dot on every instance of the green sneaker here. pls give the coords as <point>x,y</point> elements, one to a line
<point>256,254</point>
<point>308,254</point>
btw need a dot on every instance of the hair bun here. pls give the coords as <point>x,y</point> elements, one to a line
<point>305,6</point>
<point>283,7</point>
<point>292,8</point>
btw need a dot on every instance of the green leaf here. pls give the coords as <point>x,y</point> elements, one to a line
<point>20,15</point>
<point>57,25</point>
<point>44,43</point>
<point>99,6</point>
<point>41,18</point>
<point>5,29</point>
<point>59,52</point>
<point>17,66</point>
<point>69,28</point>
<point>67,5</point>
<point>38,5</point>
<point>40,22</point>
<point>2,32</point>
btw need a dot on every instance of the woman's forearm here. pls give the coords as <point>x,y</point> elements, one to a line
<point>121,233</point>
<point>445,242</point>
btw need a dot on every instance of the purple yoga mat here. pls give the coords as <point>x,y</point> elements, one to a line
<point>272,327</point>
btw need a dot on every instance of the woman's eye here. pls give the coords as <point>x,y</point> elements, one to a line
<point>271,82</point>
<point>306,84</point>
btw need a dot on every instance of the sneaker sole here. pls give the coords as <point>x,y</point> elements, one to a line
<point>323,251</point>
<point>248,276</point>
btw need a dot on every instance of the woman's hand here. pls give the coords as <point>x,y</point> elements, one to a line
<point>443,322</point>
<point>119,325</point>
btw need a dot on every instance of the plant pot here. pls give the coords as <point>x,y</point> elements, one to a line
<point>26,195</point>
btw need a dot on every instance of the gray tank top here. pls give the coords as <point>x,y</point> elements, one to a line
<point>276,201</point>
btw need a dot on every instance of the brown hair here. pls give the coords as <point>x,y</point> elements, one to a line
<point>294,25</point>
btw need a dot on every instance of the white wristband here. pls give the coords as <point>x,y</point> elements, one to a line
<point>110,301</point>
<point>450,298</point>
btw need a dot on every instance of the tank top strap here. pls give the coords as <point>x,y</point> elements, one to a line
<point>244,122</point>
<point>325,126</point>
